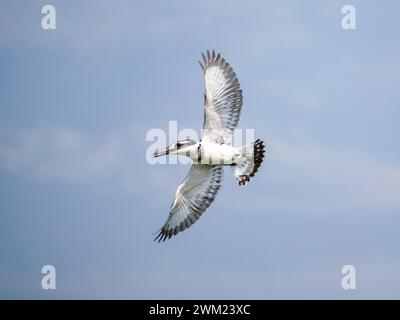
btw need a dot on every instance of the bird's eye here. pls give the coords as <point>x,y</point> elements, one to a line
<point>179,145</point>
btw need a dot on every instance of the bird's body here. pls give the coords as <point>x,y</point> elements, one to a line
<point>213,154</point>
<point>222,107</point>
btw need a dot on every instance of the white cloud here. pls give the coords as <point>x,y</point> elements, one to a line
<point>299,176</point>
<point>69,156</point>
<point>311,179</point>
<point>62,154</point>
<point>344,173</point>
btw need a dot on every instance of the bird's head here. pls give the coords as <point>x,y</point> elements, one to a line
<point>182,147</point>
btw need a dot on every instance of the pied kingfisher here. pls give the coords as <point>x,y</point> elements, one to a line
<point>222,105</point>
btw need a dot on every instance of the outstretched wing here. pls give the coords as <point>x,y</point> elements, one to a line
<point>223,99</point>
<point>192,199</point>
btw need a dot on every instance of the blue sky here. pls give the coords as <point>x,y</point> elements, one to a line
<point>76,190</point>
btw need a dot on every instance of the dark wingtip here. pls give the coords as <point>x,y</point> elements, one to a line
<point>163,235</point>
<point>211,57</point>
<point>201,65</point>
<point>158,236</point>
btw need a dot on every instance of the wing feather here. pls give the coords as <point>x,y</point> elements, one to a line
<point>192,199</point>
<point>223,99</point>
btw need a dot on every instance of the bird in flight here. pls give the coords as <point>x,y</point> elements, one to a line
<point>223,102</point>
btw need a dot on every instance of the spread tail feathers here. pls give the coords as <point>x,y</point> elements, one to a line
<point>254,155</point>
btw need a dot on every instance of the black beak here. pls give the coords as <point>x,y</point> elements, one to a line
<point>161,153</point>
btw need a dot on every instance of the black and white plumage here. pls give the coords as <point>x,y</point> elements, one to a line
<point>192,199</point>
<point>222,107</point>
<point>223,99</point>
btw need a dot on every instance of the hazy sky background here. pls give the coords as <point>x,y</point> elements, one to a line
<point>76,190</point>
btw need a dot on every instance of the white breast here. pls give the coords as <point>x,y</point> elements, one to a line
<point>212,153</point>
